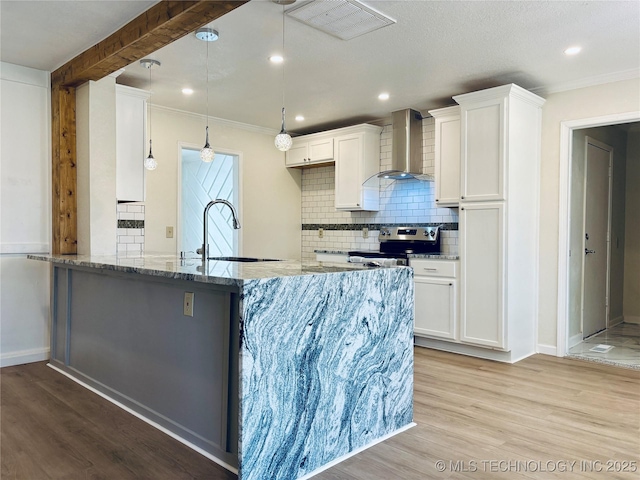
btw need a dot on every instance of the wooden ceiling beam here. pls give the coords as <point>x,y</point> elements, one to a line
<point>161,25</point>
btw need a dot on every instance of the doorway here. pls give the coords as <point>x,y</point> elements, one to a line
<point>603,168</point>
<point>597,226</point>
<point>199,183</point>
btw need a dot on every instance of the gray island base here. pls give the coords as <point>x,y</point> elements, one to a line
<point>283,369</point>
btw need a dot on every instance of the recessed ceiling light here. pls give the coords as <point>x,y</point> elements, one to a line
<point>187,91</point>
<point>276,59</point>
<point>299,118</point>
<point>383,96</point>
<point>572,50</point>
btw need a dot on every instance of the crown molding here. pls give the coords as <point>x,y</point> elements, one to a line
<point>221,121</point>
<point>588,82</point>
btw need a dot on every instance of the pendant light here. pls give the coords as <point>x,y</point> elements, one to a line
<point>150,163</point>
<point>283,140</point>
<point>207,35</point>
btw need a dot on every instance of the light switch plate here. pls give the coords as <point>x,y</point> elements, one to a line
<point>320,232</point>
<point>365,233</point>
<point>169,232</point>
<point>187,308</point>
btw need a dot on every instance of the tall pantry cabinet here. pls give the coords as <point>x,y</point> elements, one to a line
<point>500,158</point>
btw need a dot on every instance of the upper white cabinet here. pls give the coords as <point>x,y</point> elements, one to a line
<point>310,150</point>
<point>499,132</point>
<point>357,157</point>
<point>447,155</point>
<point>131,143</point>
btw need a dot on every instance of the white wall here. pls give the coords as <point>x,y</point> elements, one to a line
<point>631,306</point>
<point>607,99</point>
<point>25,206</point>
<point>270,193</point>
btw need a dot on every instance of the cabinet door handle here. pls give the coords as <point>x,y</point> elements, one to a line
<point>462,197</point>
<point>461,208</point>
<point>437,200</point>
<point>431,269</point>
<point>451,284</point>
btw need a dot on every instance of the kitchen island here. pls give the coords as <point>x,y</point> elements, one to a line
<point>282,368</point>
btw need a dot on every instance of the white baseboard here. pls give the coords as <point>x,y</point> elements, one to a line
<point>631,319</point>
<point>615,321</point>
<point>9,359</point>
<point>575,340</point>
<point>547,349</point>
<point>471,350</point>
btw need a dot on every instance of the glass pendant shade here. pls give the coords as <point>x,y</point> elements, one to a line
<point>283,140</point>
<point>150,163</point>
<point>207,153</point>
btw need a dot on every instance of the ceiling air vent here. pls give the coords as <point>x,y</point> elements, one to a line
<point>345,19</point>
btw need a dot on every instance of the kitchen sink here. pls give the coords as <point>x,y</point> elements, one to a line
<point>244,259</point>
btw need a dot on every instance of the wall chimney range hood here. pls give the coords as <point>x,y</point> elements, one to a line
<point>406,153</point>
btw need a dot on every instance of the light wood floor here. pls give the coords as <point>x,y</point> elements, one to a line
<point>491,419</point>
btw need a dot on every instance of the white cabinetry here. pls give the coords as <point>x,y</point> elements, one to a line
<point>447,155</point>
<point>357,156</point>
<point>436,298</point>
<point>131,143</point>
<point>483,274</point>
<point>310,150</point>
<point>500,140</point>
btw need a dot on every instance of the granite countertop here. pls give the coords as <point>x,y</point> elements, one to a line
<point>431,256</point>
<point>435,256</point>
<point>217,272</point>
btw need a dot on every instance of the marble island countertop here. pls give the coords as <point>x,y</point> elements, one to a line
<point>219,272</point>
<point>433,256</point>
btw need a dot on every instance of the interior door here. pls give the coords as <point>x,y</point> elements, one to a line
<point>596,237</point>
<point>200,183</point>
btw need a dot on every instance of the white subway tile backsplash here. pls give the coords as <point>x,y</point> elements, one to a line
<point>130,231</point>
<point>408,201</point>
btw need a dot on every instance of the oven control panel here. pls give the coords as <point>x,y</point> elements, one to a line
<point>424,234</point>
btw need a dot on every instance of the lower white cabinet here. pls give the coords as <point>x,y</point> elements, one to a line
<point>436,298</point>
<point>482,253</point>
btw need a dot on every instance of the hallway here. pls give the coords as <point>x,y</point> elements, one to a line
<point>625,340</point>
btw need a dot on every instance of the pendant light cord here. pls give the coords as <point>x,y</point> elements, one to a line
<point>283,56</point>
<point>149,106</point>
<point>284,60</point>
<point>207,85</point>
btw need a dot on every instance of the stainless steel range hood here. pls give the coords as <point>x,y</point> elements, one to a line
<point>406,154</point>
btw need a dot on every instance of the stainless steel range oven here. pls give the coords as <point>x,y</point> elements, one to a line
<point>396,243</point>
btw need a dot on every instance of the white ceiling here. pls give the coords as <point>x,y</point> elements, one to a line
<point>435,50</point>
